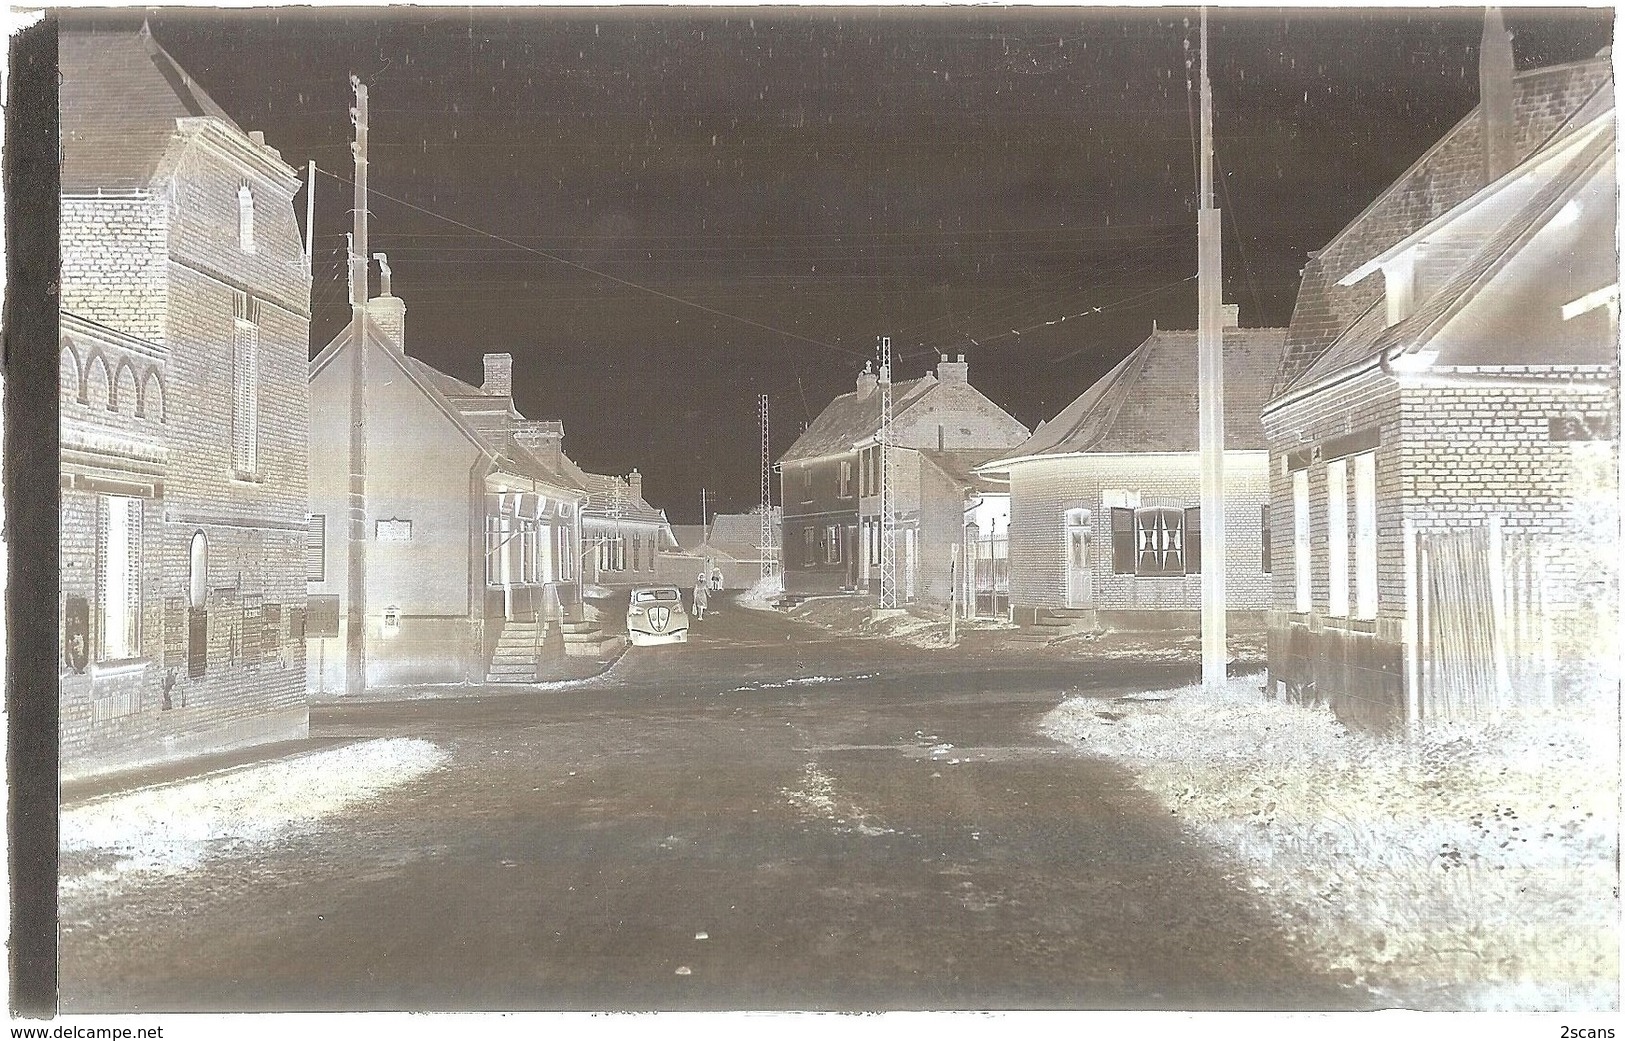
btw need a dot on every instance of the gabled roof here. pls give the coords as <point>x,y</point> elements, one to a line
<point>1148,402</point>
<point>1370,336</point>
<point>504,453</point>
<point>850,419</point>
<point>1546,103</point>
<point>609,496</point>
<point>119,98</point>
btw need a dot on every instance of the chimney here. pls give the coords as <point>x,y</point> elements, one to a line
<point>953,371</point>
<point>867,382</point>
<point>498,376</point>
<point>387,312</point>
<point>1232,316</point>
<point>1495,96</point>
<point>635,480</point>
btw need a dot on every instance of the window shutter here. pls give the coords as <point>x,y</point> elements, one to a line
<point>1192,540</point>
<point>99,619</point>
<point>132,585</point>
<point>316,548</point>
<point>245,378</point>
<point>1122,541</point>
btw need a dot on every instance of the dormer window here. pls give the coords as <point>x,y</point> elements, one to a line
<point>245,218</point>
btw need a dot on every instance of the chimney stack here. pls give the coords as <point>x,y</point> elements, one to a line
<point>498,376</point>
<point>635,480</point>
<point>953,371</point>
<point>544,438</point>
<point>1495,117</point>
<point>867,382</point>
<point>387,312</point>
<point>1232,316</point>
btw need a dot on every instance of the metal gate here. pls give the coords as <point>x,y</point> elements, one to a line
<point>990,574</point>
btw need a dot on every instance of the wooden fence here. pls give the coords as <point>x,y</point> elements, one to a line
<point>1484,630</point>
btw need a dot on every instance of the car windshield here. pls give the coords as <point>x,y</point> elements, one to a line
<point>645,596</point>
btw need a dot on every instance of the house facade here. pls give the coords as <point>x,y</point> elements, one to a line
<point>185,301</point>
<point>472,529</point>
<point>730,546</point>
<point>830,479</point>
<point>622,535</point>
<point>1105,517</point>
<point>1448,413</point>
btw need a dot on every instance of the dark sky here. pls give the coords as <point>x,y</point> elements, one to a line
<point>960,180</point>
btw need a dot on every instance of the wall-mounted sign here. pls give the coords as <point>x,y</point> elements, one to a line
<point>322,615</point>
<point>394,530</point>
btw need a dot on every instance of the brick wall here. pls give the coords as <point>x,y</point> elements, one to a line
<point>114,270</point>
<point>163,266</point>
<point>1042,491</point>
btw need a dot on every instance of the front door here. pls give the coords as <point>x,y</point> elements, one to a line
<point>1079,588</point>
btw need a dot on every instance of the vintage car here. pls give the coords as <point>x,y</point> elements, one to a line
<point>655,614</point>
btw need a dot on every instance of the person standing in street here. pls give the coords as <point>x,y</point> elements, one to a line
<point>702,598</point>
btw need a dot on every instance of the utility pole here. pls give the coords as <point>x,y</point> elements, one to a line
<point>769,550</point>
<point>355,658</point>
<point>703,532</point>
<point>1210,400</point>
<point>888,505</point>
<point>310,212</point>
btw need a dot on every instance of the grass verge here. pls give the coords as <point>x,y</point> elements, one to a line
<point>1473,867</point>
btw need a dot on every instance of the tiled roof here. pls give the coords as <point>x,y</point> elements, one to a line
<point>850,419</point>
<point>609,496</point>
<point>1148,402</point>
<point>119,98</point>
<point>689,536</point>
<point>1545,101</point>
<point>450,386</point>
<point>1370,336</point>
<point>743,528</point>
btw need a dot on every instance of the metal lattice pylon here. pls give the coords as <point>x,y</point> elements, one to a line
<point>888,504</point>
<point>766,545</point>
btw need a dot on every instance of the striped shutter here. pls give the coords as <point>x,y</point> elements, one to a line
<point>1192,540</point>
<point>98,610</point>
<point>316,548</point>
<point>253,629</point>
<point>132,584</point>
<point>245,388</point>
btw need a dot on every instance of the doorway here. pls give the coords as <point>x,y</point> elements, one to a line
<point>1079,584</point>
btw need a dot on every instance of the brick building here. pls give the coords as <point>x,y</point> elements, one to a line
<point>185,329</point>
<point>1452,368</point>
<point>1105,519</point>
<point>473,522</point>
<point>830,484</point>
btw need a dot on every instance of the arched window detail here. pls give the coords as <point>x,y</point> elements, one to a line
<point>152,396</point>
<point>96,384</point>
<point>72,376</point>
<point>198,577</point>
<point>245,218</point>
<point>125,396</point>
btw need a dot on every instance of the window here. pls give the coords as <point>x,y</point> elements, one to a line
<point>316,548</point>
<point>197,586</point>
<point>654,550</point>
<point>845,488</point>
<point>809,546</point>
<point>637,554</point>
<point>1365,535</point>
<point>245,388</point>
<point>1337,538</point>
<point>493,550</point>
<point>806,484</point>
<point>245,219</point>
<point>832,544</point>
<point>1264,538</point>
<point>620,552</point>
<point>1300,539</point>
<point>118,576</point>
<point>1152,542</point>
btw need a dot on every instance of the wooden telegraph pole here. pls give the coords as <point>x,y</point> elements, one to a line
<point>1210,400</point>
<point>355,659</point>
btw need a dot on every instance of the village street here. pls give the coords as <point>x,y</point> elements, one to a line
<point>766,818</point>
